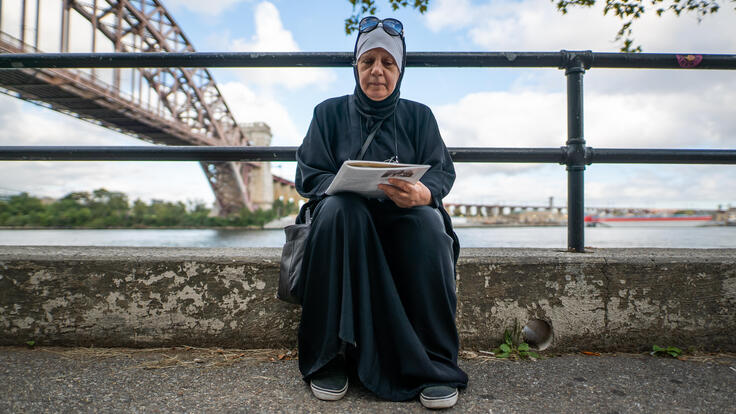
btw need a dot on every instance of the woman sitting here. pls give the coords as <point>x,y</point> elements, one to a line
<point>378,275</point>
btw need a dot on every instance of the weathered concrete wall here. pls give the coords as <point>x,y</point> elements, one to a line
<point>611,299</point>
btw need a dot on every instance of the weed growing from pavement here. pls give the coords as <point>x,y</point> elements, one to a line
<point>671,351</point>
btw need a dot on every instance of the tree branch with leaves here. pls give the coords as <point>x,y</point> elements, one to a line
<point>628,11</point>
<point>363,8</point>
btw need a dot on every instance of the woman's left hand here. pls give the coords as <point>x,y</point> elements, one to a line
<point>405,194</point>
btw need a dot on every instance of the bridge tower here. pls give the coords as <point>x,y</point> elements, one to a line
<point>260,180</point>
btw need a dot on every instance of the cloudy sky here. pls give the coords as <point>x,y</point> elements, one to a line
<point>474,107</point>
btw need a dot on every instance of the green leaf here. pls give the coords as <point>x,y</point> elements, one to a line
<point>656,348</point>
<point>31,343</point>
<point>523,346</point>
<point>505,348</point>
<point>535,355</point>
<point>503,355</point>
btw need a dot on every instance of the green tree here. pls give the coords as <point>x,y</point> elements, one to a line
<point>22,210</point>
<point>140,213</point>
<point>628,11</point>
<point>368,7</point>
<point>109,208</point>
<point>198,214</point>
<point>69,211</point>
<point>103,208</point>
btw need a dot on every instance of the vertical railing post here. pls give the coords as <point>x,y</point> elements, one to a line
<point>574,71</point>
<point>64,47</point>
<point>22,25</point>
<point>38,26</point>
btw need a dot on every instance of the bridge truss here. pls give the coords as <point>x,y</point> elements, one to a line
<point>169,106</point>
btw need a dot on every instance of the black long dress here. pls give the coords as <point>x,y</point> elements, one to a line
<point>377,277</point>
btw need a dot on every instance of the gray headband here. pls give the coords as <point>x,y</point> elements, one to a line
<point>379,38</point>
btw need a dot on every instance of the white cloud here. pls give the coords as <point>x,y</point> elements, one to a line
<point>536,25</point>
<point>669,120</point>
<point>450,15</point>
<point>51,128</point>
<point>653,186</point>
<point>208,7</point>
<point>174,181</point>
<point>271,36</point>
<point>179,181</point>
<point>642,119</point>
<point>490,184</point>
<point>661,186</point>
<point>145,180</point>
<point>249,106</point>
<point>503,119</point>
<point>623,108</point>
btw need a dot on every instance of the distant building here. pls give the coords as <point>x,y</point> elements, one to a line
<point>726,216</point>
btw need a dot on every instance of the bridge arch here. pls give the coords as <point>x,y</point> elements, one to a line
<point>168,106</point>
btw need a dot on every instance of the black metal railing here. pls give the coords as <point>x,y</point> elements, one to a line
<point>574,154</point>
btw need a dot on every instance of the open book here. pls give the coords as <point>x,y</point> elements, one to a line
<point>363,177</point>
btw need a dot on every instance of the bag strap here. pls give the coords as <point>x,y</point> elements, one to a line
<point>369,139</point>
<point>371,135</point>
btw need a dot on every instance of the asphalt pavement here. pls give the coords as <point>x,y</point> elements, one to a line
<point>189,380</point>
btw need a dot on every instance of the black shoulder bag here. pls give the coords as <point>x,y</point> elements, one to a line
<point>290,272</point>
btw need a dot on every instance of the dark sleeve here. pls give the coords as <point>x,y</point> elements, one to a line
<point>441,175</point>
<point>316,166</point>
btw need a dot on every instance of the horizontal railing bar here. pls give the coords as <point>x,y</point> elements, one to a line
<point>147,153</point>
<point>491,154</point>
<point>341,59</point>
<point>459,154</point>
<point>660,156</point>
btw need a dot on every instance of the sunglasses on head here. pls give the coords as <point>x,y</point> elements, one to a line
<point>391,26</point>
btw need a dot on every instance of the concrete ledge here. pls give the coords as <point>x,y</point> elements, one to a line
<point>611,299</point>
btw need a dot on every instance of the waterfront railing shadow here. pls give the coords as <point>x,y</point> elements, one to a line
<point>575,154</point>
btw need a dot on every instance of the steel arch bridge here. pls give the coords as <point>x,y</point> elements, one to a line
<point>169,106</point>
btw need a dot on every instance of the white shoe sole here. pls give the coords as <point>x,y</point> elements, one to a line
<point>328,395</point>
<point>438,403</point>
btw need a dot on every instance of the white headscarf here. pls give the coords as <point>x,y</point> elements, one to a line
<point>379,38</point>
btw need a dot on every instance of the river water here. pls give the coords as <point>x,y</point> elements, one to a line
<point>545,237</point>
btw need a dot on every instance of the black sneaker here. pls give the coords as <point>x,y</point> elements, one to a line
<point>330,383</point>
<point>439,396</point>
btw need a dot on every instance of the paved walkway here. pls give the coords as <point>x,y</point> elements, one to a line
<point>210,380</point>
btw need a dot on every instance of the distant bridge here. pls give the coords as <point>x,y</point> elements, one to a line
<point>169,106</point>
<point>490,210</point>
<point>493,210</point>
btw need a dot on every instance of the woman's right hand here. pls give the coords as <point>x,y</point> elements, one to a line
<point>406,194</point>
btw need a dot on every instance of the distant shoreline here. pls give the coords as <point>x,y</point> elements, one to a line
<point>134,228</point>
<point>469,225</point>
<point>455,225</point>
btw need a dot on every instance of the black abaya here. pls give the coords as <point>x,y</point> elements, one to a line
<point>378,277</point>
